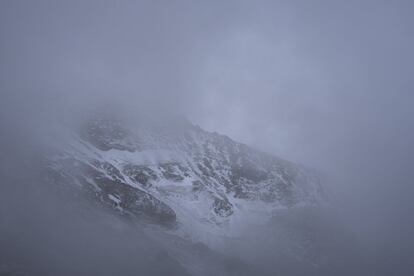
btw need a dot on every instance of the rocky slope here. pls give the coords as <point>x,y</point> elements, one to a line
<point>175,174</point>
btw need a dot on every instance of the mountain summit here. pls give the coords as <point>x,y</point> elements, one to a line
<point>177,175</point>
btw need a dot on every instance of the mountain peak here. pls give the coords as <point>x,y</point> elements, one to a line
<point>171,172</point>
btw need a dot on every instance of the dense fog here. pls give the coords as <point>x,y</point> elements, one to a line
<point>326,84</point>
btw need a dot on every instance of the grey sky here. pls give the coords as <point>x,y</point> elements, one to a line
<point>293,77</point>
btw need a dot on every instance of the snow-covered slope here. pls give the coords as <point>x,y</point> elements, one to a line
<point>176,174</point>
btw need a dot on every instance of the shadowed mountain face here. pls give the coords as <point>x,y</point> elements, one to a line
<point>174,173</point>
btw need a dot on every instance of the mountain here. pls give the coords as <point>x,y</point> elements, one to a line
<point>174,174</point>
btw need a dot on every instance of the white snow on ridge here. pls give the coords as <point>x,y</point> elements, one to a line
<point>195,175</point>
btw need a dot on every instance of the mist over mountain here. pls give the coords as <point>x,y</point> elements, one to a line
<point>213,138</point>
<point>153,196</point>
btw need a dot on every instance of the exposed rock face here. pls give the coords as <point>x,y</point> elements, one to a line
<point>168,173</point>
<point>105,183</point>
